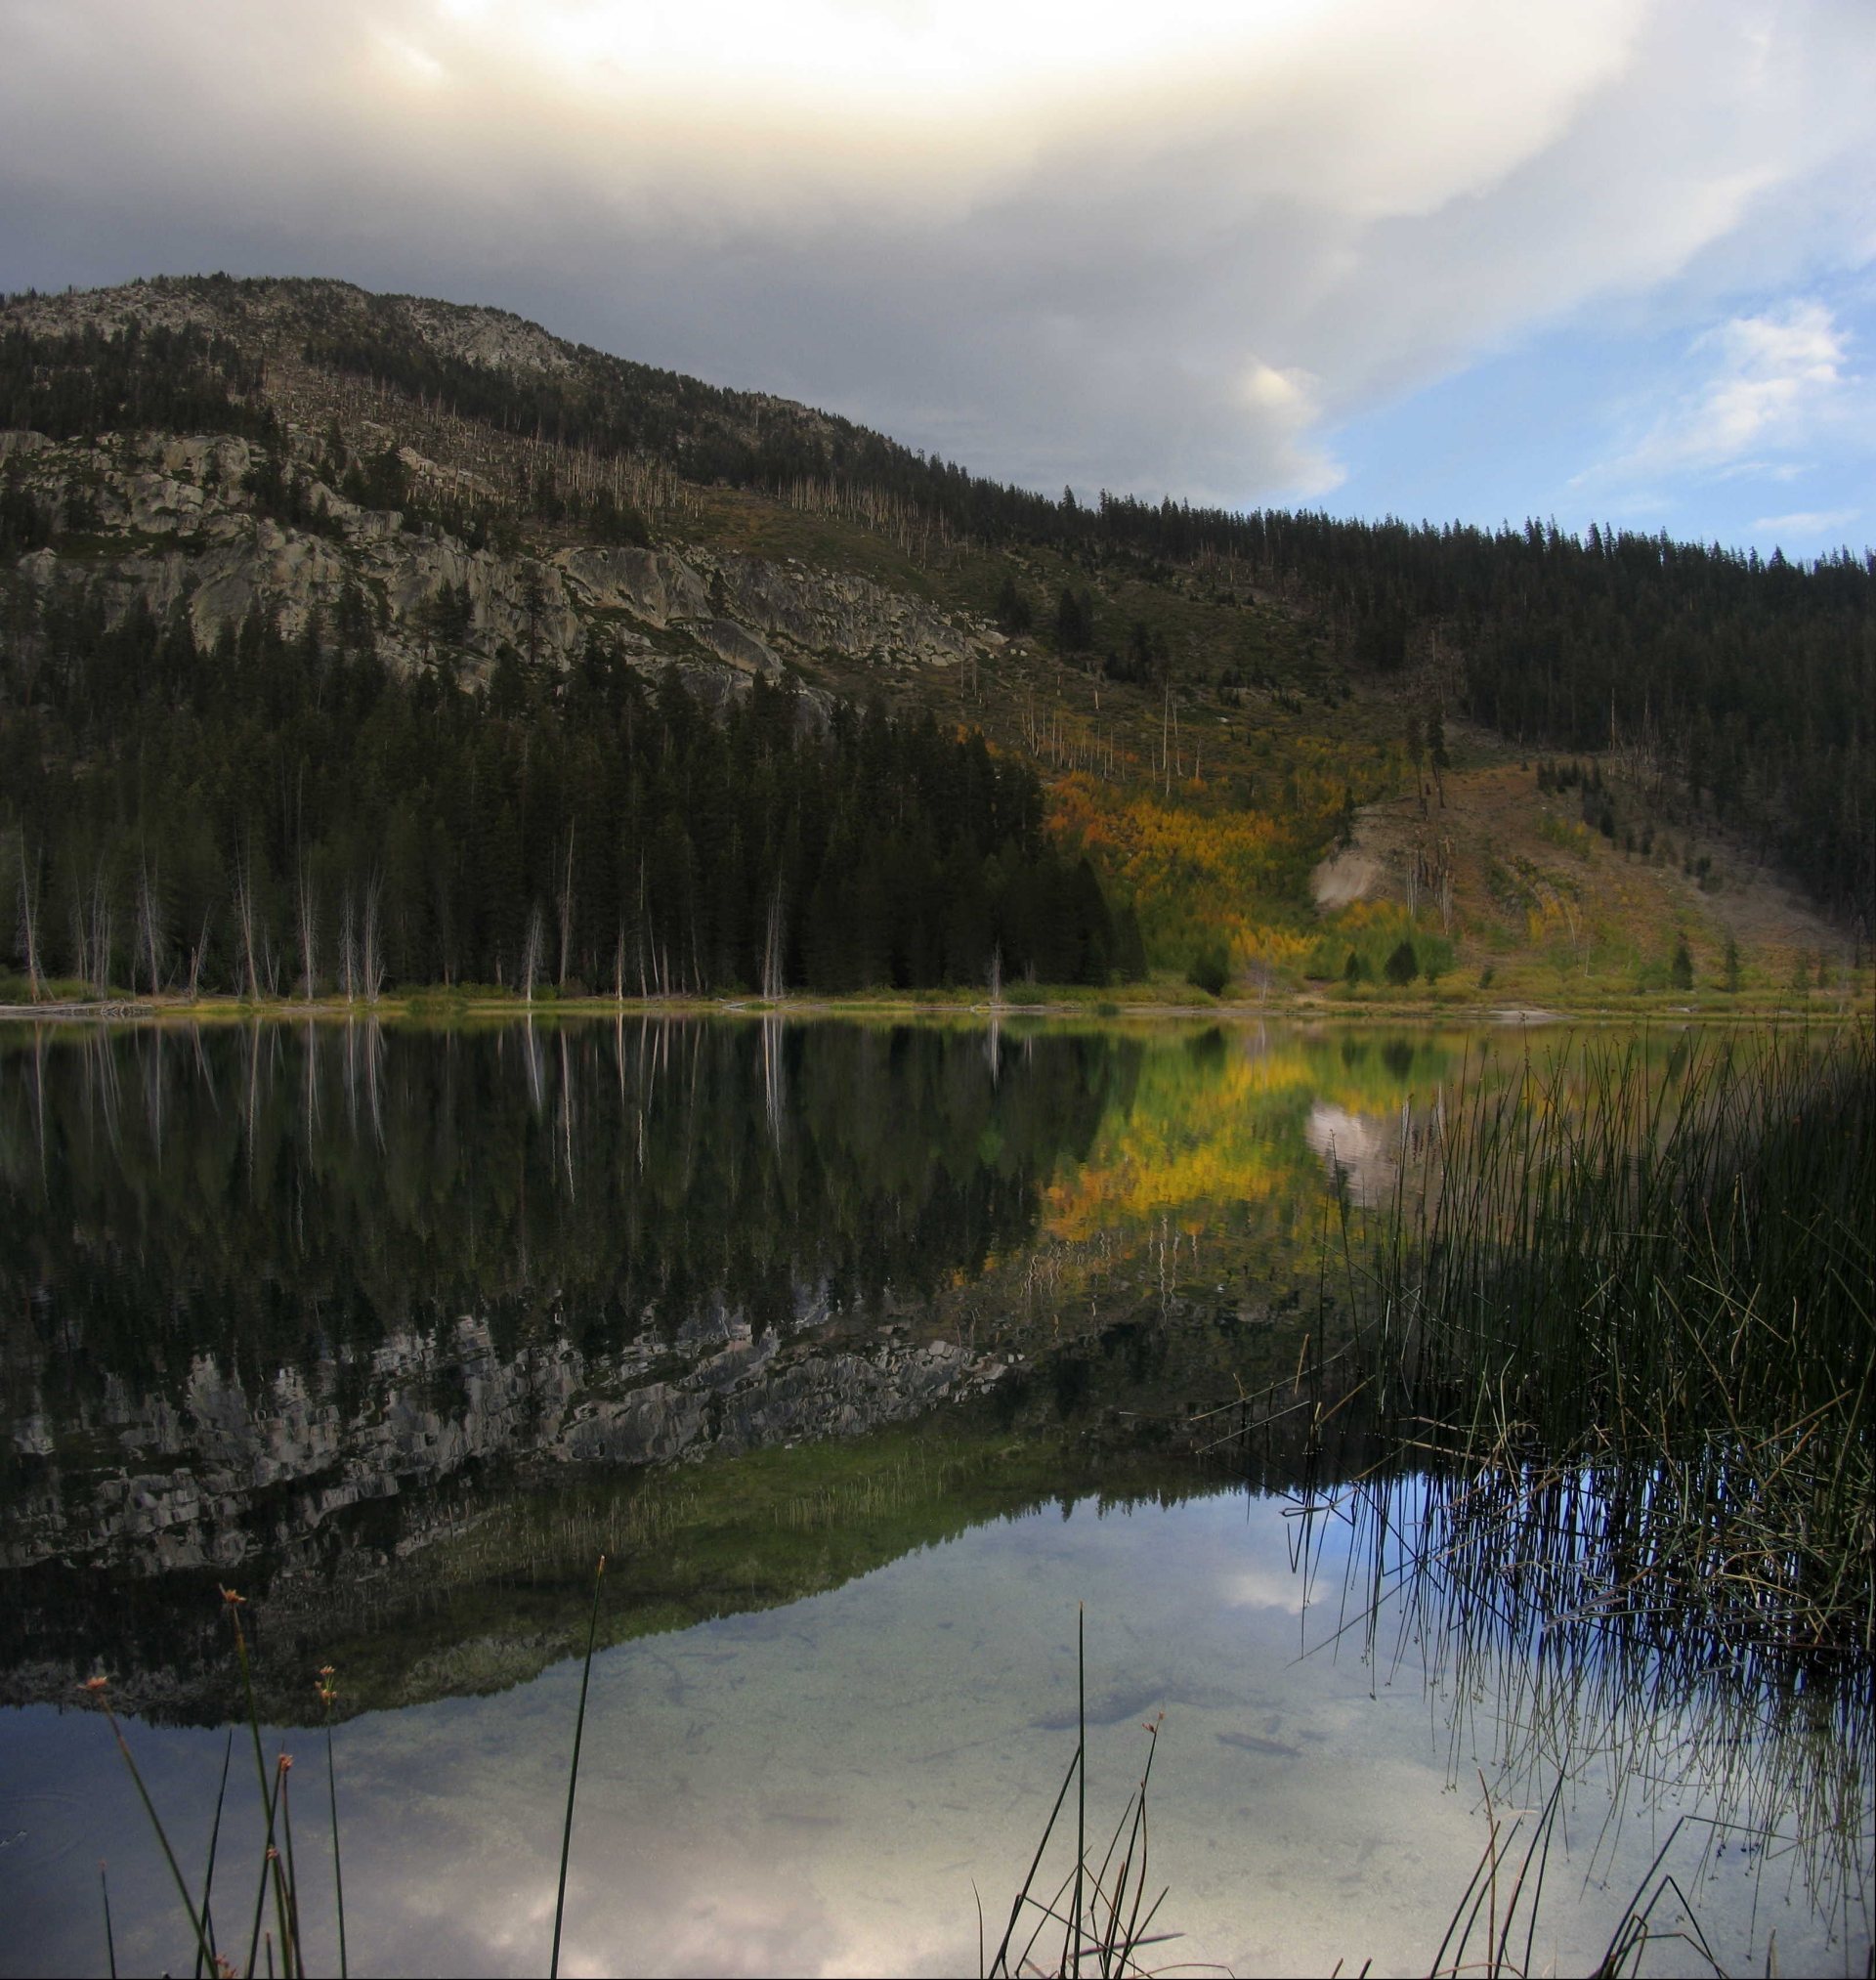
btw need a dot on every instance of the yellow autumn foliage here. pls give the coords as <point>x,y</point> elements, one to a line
<point>1190,868</point>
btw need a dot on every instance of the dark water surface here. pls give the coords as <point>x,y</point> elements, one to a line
<point>866,1353</point>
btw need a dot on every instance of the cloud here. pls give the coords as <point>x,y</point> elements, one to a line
<point>1169,250</point>
<point>1769,382</point>
<point>1805,523</point>
<point>1258,1588</point>
<point>1288,406</point>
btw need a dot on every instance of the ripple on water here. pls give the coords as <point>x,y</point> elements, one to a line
<point>40,1830</point>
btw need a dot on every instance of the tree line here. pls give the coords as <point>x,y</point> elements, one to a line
<point>277,817</point>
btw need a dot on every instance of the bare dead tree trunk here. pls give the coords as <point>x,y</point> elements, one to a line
<point>371,961</point>
<point>29,924</point>
<point>531,954</point>
<point>149,937</point>
<point>196,961</point>
<point>309,929</point>
<point>82,943</point>
<point>348,949</point>
<point>101,934</point>
<point>564,904</point>
<point>642,989</point>
<point>244,921</point>
<point>774,987</point>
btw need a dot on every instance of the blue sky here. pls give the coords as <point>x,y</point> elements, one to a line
<point>1756,425</point>
<point>1433,258</point>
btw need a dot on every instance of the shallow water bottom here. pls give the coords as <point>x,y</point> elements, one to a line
<point>836,1786</point>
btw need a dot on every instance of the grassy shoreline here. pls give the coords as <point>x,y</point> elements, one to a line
<point>1853,1001</point>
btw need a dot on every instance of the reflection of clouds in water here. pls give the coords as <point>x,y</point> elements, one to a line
<point>1355,1144</point>
<point>1263,1588</point>
<point>818,1788</point>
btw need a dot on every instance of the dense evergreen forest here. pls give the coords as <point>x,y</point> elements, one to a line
<point>273,814</point>
<point>1753,679</point>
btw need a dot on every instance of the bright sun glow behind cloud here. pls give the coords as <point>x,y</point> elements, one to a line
<point>915,57</point>
<point>1352,104</point>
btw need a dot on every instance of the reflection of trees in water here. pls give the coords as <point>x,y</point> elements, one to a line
<point>596,1175</point>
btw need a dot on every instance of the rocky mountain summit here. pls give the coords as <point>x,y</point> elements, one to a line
<point>336,492</point>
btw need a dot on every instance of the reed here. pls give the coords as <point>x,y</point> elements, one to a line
<point>209,1874</point>
<point>328,1692</point>
<point>573,1771</point>
<point>278,1876</point>
<point>278,1870</point>
<point>1617,1357</point>
<point>1098,1906</point>
<point>1633,1319</point>
<point>96,1686</point>
<point>111,1937</point>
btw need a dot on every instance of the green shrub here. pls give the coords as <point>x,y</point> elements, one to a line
<point>1403,966</point>
<point>1211,968</point>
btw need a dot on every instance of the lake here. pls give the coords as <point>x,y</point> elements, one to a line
<point>870,1355</point>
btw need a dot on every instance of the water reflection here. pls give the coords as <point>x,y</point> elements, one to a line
<point>318,1288</point>
<point>399,1328</point>
<point>829,1786</point>
<point>394,1255</point>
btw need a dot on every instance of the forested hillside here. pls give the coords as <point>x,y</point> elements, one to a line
<point>272,816</point>
<point>318,607</point>
<point>1756,680</point>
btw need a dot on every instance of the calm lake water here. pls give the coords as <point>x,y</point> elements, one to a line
<point>866,1355</point>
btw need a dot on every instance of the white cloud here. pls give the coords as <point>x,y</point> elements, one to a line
<point>1803,522</point>
<point>1287,406</point>
<point>1767,382</point>
<point>1259,1587</point>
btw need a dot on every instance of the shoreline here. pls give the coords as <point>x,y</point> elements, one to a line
<point>445,1006</point>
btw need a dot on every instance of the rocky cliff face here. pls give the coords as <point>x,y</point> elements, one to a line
<point>170,526</point>
<point>170,521</point>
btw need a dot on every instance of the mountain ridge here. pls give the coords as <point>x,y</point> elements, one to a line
<point>494,498</point>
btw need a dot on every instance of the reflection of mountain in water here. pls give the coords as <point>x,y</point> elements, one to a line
<point>225,1474</point>
<point>258,1277</point>
<point>384,1326</point>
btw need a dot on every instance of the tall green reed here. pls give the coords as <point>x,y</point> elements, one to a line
<point>1097,1905</point>
<point>573,1772</point>
<point>278,1876</point>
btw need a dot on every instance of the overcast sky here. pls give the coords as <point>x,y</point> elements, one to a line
<point>1612,259</point>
